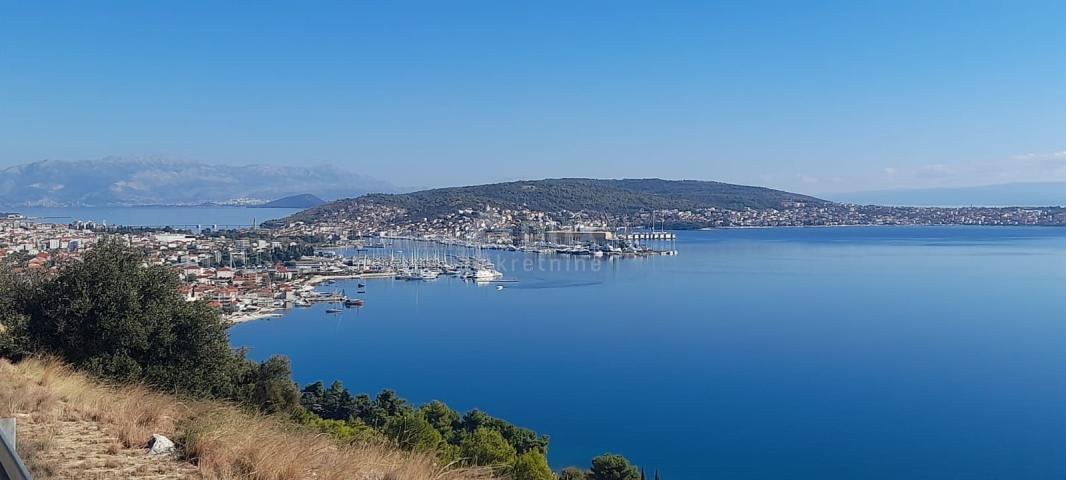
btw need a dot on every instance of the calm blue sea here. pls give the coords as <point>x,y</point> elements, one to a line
<point>182,217</point>
<point>874,353</point>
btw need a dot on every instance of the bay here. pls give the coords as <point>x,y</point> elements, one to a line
<point>829,353</point>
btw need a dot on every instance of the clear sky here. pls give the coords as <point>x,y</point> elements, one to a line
<point>826,97</point>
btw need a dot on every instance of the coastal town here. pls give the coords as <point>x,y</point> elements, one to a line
<point>525,226</point>
<point>255,272</point>
<point>220,270</point>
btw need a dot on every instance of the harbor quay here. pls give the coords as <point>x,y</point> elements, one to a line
<point>254,273</point>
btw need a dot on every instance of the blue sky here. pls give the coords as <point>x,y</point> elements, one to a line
<point>826,97</point>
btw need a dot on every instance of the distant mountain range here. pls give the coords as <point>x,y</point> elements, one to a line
<point>305,200</point>
<point>132,182</point>
<point>1006,194</point>
<point>571,194</point>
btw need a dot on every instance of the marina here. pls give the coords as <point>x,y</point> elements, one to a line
<point>423,260</point>
<point>593,243</point>
<point>314,279</point>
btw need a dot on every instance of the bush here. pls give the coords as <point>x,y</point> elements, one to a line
<point>119,318</point>
<point>572,473</point>
<point>485,446</point>
<point>612,467</point>
<point>348,432</point>
<point>14,337</point>
<point>523,440</point>
<point>413,433</point>
<point>532,466</point>
<point>273,388</point>
<point>442,418</point>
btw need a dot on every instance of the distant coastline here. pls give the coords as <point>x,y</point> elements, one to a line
<point>175,216</point>
<point>292,201</point>
<point>16,207</point>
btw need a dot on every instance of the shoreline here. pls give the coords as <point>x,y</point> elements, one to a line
<point>278,312</point>
<point>317,279</point>
<point>260,315</point>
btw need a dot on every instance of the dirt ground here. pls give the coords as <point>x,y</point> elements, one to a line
<point>85,450</point>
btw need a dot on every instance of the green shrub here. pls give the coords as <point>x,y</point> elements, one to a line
<point>572,473</point>
<point>612,467</point>
<point>412,432</point>
<point>532,466</point>
<point>485,446</point>
<point>119,318</point>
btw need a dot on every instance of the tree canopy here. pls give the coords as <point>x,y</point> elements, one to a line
<point>115,316</point>
<point>612,467</point>
<point>532,465</point>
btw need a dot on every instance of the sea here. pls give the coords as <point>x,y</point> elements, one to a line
<point>813,353</point>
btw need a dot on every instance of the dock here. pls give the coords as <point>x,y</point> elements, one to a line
<point>638,236</point>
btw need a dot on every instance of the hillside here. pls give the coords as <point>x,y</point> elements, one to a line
<point>573,195</point>
<point>71,426</point>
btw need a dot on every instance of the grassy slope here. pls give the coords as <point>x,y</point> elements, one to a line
<point>73,427</point>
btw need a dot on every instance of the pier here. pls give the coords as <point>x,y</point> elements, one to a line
<point>638,236</point>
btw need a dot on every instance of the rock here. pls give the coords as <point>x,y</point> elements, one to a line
<point>160,445</point>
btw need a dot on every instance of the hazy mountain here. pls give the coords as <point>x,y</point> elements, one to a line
<point>1006,194</point>
<point>127,182</point>
<point>574,195</point>
<point>305,200</point>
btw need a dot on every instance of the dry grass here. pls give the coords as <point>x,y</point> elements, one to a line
<point>73,427</point>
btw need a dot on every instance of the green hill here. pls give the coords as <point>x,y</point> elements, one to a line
<point>571,194</point>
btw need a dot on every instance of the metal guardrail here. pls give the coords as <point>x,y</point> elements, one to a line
<point>11,466</point>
